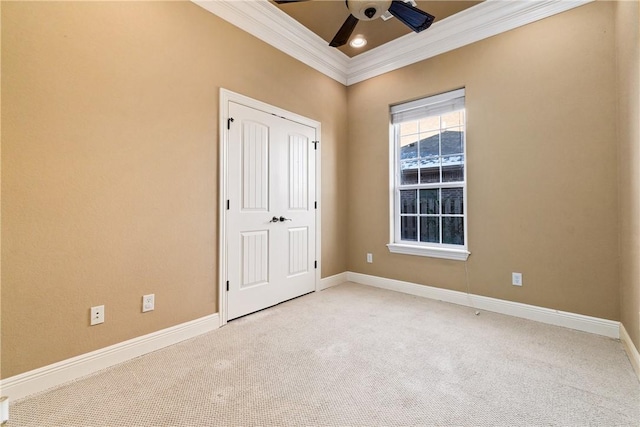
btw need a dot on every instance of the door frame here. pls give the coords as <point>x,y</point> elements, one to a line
<point>227,96</point>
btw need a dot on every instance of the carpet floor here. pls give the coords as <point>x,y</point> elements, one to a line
<point>356,355</point>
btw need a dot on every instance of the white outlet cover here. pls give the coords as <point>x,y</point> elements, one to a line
<point>148,302</point>
<point>516,279</point>
<point>97,315</point>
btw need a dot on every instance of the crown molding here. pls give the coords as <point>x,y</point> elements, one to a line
<point>489,18</point>
<point>271,25</point>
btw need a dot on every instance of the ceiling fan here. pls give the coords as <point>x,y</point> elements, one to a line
<point>368,10</point>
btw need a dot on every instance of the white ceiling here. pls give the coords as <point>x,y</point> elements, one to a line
<point>491,17</point>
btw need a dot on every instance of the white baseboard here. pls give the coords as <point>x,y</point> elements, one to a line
<point>56,374</point>
<point>630,348</point>
<point>330,281</point>
<point>594,325</point>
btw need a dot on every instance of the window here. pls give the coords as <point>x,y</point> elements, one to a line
<point>429,194</point>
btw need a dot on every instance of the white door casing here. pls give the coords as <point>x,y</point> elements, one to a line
<point>269,164</point>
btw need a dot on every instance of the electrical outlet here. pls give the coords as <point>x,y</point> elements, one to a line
<point>148,302</point>
<point>97,315</point>
<point>516,279</point>
<point>370,258</point>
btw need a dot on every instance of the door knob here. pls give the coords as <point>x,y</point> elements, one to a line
<point>283,219</point>
<point>274,219</point>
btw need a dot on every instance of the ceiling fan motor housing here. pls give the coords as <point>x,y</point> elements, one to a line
<point>368,10</point>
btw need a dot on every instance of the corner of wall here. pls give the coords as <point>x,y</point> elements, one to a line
<point>0,209</point>
<point>630,349</point>
<point>627,46</point>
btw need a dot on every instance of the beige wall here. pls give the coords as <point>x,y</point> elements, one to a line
<point>109,166</point>
<point>0,203</point>
<point>542,165</point>
<point>628,56</point>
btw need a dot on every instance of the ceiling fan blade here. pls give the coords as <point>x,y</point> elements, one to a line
<point>343,34</point>
<point>412,17</point>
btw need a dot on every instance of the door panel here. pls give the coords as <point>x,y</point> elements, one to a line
<point>298,251</point>
<point>298,172</point>
<point>255,258</point>
<point>255,166</point>
<point>271,174</point>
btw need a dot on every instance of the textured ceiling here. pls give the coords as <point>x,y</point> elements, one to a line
<point>324,17</point>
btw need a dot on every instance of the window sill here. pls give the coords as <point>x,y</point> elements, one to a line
<point>445,253</point>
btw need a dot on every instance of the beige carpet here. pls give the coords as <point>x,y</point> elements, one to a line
<point>356,355</point>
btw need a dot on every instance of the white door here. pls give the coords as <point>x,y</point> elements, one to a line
<point>271,215</point>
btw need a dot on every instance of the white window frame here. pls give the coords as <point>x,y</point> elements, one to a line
<point>413,110</point>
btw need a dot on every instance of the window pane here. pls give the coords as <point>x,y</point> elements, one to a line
<point>407,128</point>
<point>452,141</point>
<point>453,230</point>
<point>429,202</point>
<point>409,147</point>
<point>408,228</point>
<point>409,172</point>
<point>451,201</point>
<point>408,201</point>
<point>453,119</point>
<point>429,229</point>
<point>430,173</point>
<point>429,144</point>
<point>429,123</point>
<point>453,168</point>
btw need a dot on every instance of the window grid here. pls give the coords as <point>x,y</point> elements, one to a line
<point>418,132</point>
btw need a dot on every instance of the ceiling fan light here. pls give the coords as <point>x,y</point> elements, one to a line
<point>358,41</point>
<point>368,10</point>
